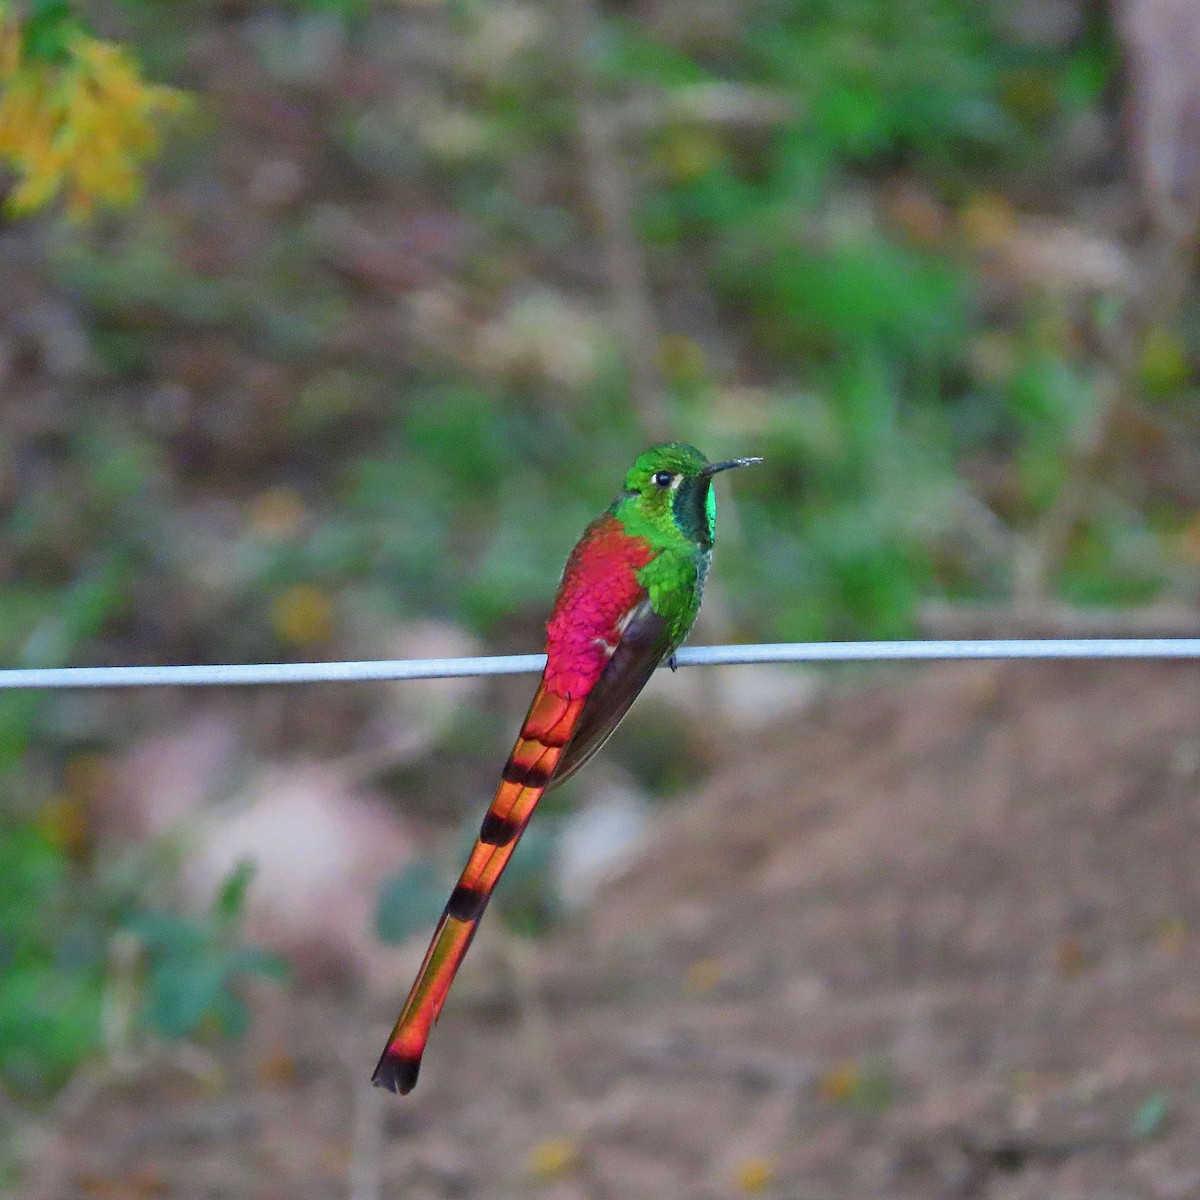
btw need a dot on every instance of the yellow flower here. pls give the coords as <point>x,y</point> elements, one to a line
<point>302,615</point>
<point>840,1082</point>
<point>753,1175</point>
<point>987,221</point>
<point>64,821</point>
<point>277,513</point>
<point>686,154</point>
<point>82,127</point>
<point>553,1158</point>
<point>1166,366</point>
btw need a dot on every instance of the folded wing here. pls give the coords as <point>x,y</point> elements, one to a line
<point>644,643</point>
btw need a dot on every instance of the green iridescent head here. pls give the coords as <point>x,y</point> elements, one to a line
<point>670,487</point>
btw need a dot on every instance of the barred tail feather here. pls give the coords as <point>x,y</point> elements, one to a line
<point>548,727</point>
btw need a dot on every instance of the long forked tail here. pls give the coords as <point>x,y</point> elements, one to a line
<point>546,731</point>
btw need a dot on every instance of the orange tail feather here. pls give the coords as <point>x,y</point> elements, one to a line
<point>547,729</point>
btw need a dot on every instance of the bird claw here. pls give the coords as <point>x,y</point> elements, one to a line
<point>672,662</point>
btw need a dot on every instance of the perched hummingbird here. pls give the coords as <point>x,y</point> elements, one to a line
<point>629,594</point>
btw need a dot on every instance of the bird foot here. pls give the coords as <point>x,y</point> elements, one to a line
<point>672,662</point>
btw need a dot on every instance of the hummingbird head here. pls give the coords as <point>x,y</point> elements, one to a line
<point>670,486</point>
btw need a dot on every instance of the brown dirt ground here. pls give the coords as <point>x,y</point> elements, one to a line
<point>939,937</point>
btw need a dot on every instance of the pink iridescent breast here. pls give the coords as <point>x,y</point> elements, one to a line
<point>598,589</point>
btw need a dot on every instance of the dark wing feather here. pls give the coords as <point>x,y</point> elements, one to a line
<point>644,643</point>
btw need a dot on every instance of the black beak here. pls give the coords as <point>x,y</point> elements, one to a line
<point>713,468</point>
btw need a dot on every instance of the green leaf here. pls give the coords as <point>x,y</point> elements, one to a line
<point>410,902</point>
<point>230,1013</point>
<point>1151,1116</point>
<point>49,28</point>
<point>164,933</point>
<point>253,960</point>
<point>231,897</point>
<point>180,992</point>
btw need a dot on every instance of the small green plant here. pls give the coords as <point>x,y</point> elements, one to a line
<point>1152,1117</point>
<point>51,964</point>
<point>194,964</point>
<point>57,927</point>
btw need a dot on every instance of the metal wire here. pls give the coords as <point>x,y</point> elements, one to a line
<point>532,664</point>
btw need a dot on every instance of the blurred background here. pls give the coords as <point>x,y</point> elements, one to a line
<point>326,326</point>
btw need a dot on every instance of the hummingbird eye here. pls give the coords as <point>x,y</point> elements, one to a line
<point>663,478</point>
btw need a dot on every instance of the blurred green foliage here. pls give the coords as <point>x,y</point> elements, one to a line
<point>52,957</point>
<point>49,26</point>
<point>253,460</point>
<point>194,964</point>
<point>58,927</point>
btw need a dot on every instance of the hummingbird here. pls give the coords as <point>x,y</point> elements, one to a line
<point>628,597</point>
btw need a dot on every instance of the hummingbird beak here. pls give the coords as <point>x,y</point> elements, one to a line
<point>713,468</point>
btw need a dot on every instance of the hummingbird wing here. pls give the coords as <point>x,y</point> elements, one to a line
<point>644,642</point>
